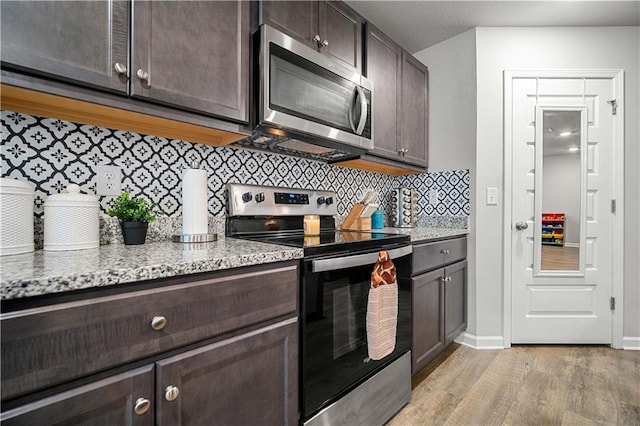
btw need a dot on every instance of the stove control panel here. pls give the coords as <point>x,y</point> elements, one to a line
<point>291,198</point>
<point>257,200</point>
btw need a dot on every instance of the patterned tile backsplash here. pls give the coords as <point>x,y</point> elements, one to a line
<point>52,153</point>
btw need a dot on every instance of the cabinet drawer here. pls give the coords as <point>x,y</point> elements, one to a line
<point>48,345</point>
<point>434,255</point>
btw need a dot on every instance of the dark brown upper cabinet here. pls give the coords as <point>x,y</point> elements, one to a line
<point>83,42</point>
<point>384,68</point>
<point>414,108</point>
<point>400,90</point>
<point>330,27</point>
<point>193,55</point>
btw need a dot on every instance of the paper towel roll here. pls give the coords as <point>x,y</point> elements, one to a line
<point>194,201</point>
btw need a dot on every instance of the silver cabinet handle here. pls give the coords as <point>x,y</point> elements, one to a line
<point>171,393</point>
<point>403,151</point>
<point>141,406</point>
<point>142,75</point>
<point>317,41</point>
<point>158,323</point>
<point>445,279</point>
<point>445,251</point>
<point>521,226</point>
<point>120,68</point>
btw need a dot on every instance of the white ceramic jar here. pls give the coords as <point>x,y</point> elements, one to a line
<point>16,216</point>
<point>71,221</point>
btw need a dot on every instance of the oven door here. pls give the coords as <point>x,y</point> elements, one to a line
<point>335,292</point>
<point>305,91</point>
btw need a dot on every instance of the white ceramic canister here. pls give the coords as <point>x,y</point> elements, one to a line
<point>71,220</point>
<point>16,216</point>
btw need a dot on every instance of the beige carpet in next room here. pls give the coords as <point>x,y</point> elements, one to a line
<point>527,385</point>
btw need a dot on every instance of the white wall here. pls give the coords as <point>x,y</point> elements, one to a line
<point>452,124</point>
<point>548,48</point>
<point>561,191</point>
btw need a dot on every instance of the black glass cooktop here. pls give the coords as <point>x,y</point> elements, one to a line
<point>329,242</point>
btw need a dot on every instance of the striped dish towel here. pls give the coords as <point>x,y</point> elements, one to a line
<point>382,308</point>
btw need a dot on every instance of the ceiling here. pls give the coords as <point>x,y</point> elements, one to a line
<point>416,25</point>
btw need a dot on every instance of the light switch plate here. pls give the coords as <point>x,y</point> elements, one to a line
<point>492,196</point>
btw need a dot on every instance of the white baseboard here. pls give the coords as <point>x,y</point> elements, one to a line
<point>631,343</point>
<point>576,245</point>
<point>480,342</point>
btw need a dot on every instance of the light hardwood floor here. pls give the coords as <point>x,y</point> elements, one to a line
<point>555,258</point>
<point>527,385</point>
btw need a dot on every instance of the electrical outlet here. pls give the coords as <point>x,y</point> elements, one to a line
<point>109,178</point>
<point>433,197</point>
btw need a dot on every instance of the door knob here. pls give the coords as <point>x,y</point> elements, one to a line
<point>521,226</point>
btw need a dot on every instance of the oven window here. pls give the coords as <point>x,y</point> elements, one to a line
<point>334,337</point>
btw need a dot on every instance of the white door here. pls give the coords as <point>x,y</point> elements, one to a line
<point>561,267</point>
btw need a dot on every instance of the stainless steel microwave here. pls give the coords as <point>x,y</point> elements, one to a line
<point>307,96</point>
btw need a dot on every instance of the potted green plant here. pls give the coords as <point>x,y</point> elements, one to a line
<point>134,214</point>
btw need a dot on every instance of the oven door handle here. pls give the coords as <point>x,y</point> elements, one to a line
<point>333,264</point>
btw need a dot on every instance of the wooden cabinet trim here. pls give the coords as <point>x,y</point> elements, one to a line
<point>28,101</point>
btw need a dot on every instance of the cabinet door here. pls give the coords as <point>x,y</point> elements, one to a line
<point>383,67</point>
<point>428,329</point>
<point>341,27</point>
<point>111,401</point>
<point>414,109</point>
<point>192,54</point>
<point>455,296</point>
<point>298,19</point>
<point>247,379</point>
<point>80,41</point>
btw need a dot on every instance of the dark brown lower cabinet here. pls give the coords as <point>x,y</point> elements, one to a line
<point>428,331</point>
<point>439,299</point>
<point>249,379</point>
<point>246,379</point>
<point>111,401</point>
<point>455,291</point>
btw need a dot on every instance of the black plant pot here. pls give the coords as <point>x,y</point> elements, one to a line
<point>134,232</point>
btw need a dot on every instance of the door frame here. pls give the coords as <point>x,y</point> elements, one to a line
<point>617,220</point>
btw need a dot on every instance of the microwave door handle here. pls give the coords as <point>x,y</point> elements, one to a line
<point>352,98</point>
<point>363,110</point>
<point>333,264</point>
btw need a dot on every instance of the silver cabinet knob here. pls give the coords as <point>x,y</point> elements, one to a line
<point>141,406</point>
<point>120,68</point>
<point>521,226</point>
<point>171,393</point>
<point>325,43</point>
<point>316,39</point>
<point>142,75</point>
<point>445,251</point>
<point>158,323</point>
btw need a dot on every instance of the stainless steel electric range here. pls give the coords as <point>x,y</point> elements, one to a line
<point>339,384</point>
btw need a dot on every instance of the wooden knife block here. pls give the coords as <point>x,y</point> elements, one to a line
<point>354,222</point>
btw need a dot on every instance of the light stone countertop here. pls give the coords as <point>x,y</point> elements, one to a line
<point>421,233</point>
<point>45,272</point>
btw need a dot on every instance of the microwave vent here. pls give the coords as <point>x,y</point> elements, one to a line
<point>289,146</point>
